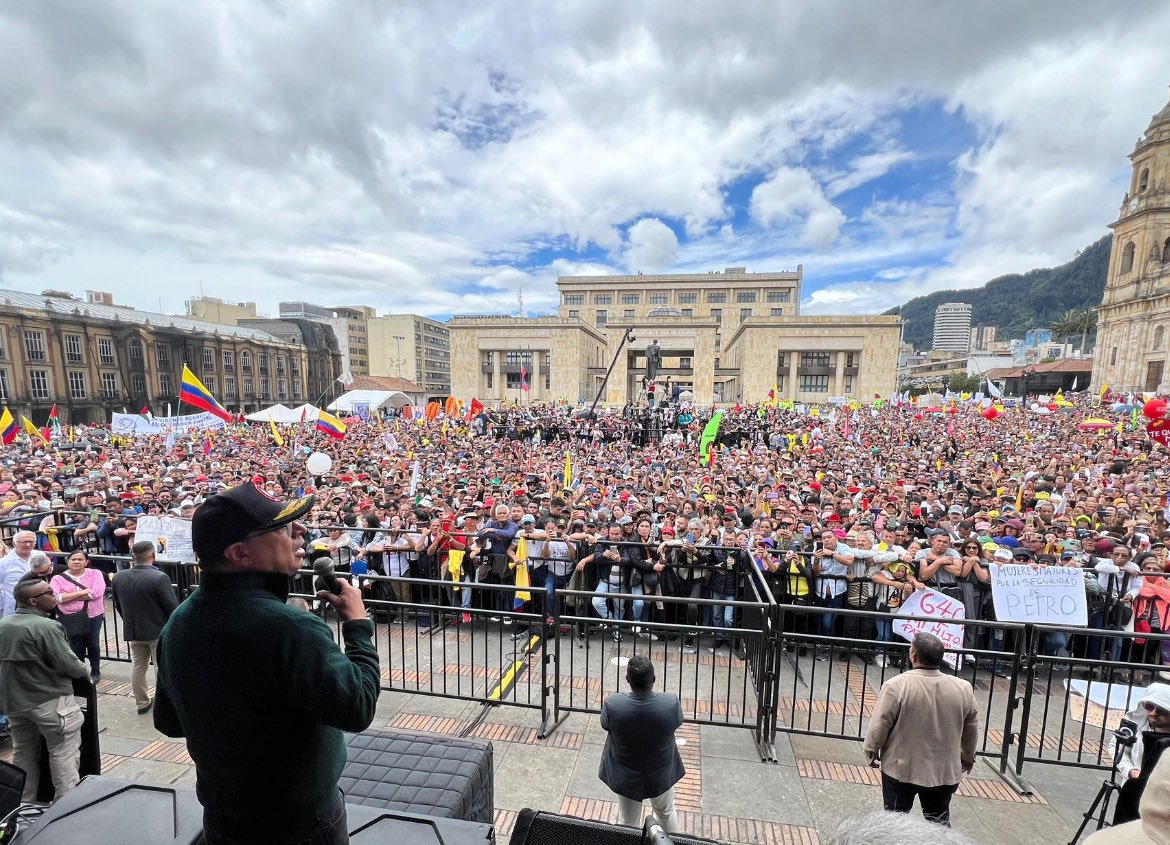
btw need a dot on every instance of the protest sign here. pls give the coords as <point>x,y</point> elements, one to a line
<point>938,607</point>
<point>161,426</point>
<point>1047,595</point>
<point>171,536</point>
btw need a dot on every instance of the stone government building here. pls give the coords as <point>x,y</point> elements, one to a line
<point>727,336</point>
<point>1134,316</point>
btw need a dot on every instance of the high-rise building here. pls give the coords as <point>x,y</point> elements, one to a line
<point>982,337</point>
<point>1134,316</point>
<point>414,348</point>
<point>350,324</point>
<point>952,327</point>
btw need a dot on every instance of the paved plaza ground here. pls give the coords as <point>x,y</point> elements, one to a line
<point>728,794</point>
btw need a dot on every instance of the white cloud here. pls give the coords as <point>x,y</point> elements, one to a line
<point>652,246</point>
<point>865,169</point>
<point>792,195</point>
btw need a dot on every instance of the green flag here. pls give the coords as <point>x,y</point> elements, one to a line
<point>710,432</point>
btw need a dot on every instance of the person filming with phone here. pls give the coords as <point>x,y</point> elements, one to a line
<point>258,687</point>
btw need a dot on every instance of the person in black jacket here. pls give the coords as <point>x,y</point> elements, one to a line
<point>145,599</point>
<point>640,759</point>
<point>642,567</point>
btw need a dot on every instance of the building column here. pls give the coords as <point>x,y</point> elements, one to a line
<point>616,391</point>
<point>497,376</point>
<point>837,388</point>
<point>703,368</point>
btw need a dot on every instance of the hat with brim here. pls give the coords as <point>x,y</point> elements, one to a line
<point>234,515</point>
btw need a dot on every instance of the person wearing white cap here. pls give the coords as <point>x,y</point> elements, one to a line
<point>1152,714</point>
<point>1153,826</point>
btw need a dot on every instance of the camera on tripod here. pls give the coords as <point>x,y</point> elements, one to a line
<point>1126,733</point>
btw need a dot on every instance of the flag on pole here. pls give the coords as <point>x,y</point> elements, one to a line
<point>8,427</point>
<point>414,478</point>
<point>772,395</point>
<point>475,409</point>
<point>275,432</point>
<point>993,391</point>
<point>710,432</point>
<point>195,394</point>
<point>331,425</point>
<point>523,377</point>
<point>32,430</point>
<point>54,426</point>
<point>568,471</point>
<point>1073,389</point>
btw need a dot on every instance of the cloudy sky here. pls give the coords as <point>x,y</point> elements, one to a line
<point>438,157</point>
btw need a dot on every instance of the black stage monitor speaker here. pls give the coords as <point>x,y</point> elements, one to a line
<point>534,827</point>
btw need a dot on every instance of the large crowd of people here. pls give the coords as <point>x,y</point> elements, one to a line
<point>834,507</point>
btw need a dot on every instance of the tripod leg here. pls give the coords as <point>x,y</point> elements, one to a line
<point>1102,801</point>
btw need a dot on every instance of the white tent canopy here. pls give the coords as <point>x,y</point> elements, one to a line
<point>277,413</point>
<point>310,411</point>
<point>376,398</point>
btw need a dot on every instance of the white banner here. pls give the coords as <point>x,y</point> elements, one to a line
<point>1048,595</point>
<point>937,606</point>
<point>170,534</point>
<point>143,427</point>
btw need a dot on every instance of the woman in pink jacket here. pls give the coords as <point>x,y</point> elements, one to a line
<point>82,590</point>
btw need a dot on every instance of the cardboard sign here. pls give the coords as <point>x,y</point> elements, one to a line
<point>170,534</point>
<point>161,426</point>
<point>1048,595</point>
<point>935,605</point>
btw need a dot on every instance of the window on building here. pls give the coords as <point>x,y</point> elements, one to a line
<point>211,383</point>
<point>814,384</point>
<point>249,387</point>
<point>34,345</point>
<point>776,312</point>
<point>816,359</point>
<point>685,363</point>
<point>716,296</point>
<point>718,342</point>
<point>574,314</point>
<point>574,299</point>
<point>603,299</point>
<point>138,384</point>
<point>631,298</point>
<point>717,315</point>
<point>489,358</point>
<point>688,298</point>
<point>745,296</point>
<point>281,386</point>
<point>782,361</point>
<point>280,365</point>
<point>77,384</point>
<point>5,394</point>
<point>848,384</point>
<point>110,385</point>
<point>166,384</point>
<point>628,314</point>
<point>229,361</point>
<point>229,386</point>
<point>1144,181</point>
<point>779,386</point>
<point>246,361</point>
<point>744,313</point>
<point>262,361</point>
<point>490,378</point>
<point>688,312</point>
<point>106,352</point>
<point>512,381</point>
<point>659,298</point>
<point>38,384</point>
<point>263,388</point>
<point>519,357</point>
<point>3,342</point>
<point>73,348</point>
<point>1113,356</point>
<point>134,350</point>
<point>208,359</point>
<point>779,296</point>
<point>1127,255</point>
<point>601,316</point>
<point>162,354</point>
<point>851,359</point>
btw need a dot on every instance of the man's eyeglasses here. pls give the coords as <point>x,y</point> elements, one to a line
<point>1020,557</point>
<point>1150,707</point>
<point>40,594</point>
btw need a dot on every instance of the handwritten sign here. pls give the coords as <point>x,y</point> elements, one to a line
<point>943,612</point>
<point>1049,595</point>
<point>175,534</point>
<point>160,426</point>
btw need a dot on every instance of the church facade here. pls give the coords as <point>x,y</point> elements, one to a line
<point>1134,316</point>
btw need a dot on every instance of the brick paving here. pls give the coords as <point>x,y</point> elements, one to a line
<point>992,790</point>
<point>710,825</point>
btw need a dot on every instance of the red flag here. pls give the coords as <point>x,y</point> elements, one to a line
<point>53,412</point>
<point>145,412</point>
<point>207,445</point>
<point>475,409</point>
<point>523,377</point>
<point>847,415</point>
<point>303,412</point>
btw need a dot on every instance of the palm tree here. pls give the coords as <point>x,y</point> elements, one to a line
<point>1074,321</point>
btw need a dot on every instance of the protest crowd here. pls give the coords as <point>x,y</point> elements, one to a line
<point>854,507</point>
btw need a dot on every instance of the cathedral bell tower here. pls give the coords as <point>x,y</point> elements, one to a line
<point>1134,317</point>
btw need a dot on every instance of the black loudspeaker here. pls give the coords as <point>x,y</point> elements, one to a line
<point>534,827</point>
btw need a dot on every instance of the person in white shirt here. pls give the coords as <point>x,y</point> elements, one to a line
<point>831,563</point>
<point>13,567</point>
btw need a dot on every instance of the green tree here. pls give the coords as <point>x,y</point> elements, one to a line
<point>960,383</point>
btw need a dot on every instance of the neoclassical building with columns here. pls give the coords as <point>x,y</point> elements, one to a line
<point>1134,316</point>
<point>727,336</point>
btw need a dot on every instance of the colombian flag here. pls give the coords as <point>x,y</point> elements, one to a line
<point>8,427</point>
<point>194,393</point>
<point>331,425</point>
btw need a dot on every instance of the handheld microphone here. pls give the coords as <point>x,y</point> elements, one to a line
<point>323,568</point>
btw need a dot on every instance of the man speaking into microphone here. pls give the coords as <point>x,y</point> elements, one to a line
<point>259,688</point>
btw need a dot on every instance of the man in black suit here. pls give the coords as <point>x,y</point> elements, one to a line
<point>640,759</point>
<point>144,597</point>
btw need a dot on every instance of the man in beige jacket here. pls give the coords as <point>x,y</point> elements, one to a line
<point>923,732</point>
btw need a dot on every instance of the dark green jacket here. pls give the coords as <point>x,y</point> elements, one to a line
<point>262,694</point>
<point>36,664</point>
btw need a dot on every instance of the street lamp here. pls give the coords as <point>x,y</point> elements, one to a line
<point>398,340</point>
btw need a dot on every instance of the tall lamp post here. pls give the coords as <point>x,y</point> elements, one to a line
<point>1025,374</point>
